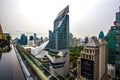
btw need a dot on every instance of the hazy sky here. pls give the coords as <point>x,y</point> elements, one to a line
<point>87,17</point>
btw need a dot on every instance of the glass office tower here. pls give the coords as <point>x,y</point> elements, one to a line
<point>58,46</point>
<point>113,39</point>
<point>59,38</point>
<point>23,39</point>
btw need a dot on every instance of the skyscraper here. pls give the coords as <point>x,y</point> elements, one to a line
<point>71,42</point>
<point>101,34</point>
<point>86,40</point>
<point>118,18</point>
<point>31,38</point>
<point>92,64</point>
<point>58,46</point>
<point>59,38</point>
<point>76,42</point>
<point>23,39</point>
<point>113,39</point>
<point>35,38</point>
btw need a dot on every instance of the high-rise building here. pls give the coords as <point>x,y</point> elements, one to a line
<point>71,41</point>
<point>76,42</point>
<point>59,38</point>
<point>101,34</point>
<point>58,46</point>
<point>41,40</point>
<point>35,38</point>
<point>23,39</point>
<point>86,40</point>
<point>31,38</point>
<point>113,39</point>
<point>118,18</point>
<point>92,64</point>
<point>17,40</point>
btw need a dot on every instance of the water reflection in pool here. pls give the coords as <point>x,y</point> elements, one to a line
<point>9,67</point>
<point>0,54</point>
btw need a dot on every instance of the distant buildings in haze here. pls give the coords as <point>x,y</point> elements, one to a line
<point>101,34</point>
<point>32,41</point>
<point>23,39</point>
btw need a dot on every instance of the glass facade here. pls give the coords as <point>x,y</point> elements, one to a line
<point>113,39</point>
<point>23,40</point>
<point>101,34</point>
<point>59,38</point>
<point>118,18</point>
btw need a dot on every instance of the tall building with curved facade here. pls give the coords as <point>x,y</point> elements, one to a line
<point>59,38</point>
<point>58,45</point>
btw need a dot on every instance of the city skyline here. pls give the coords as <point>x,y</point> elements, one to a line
<point>38,16</point>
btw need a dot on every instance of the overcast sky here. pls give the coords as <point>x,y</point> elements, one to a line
<point>87,17</point>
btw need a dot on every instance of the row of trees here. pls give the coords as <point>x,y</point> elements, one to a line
<point>5,43</point>
<point>74,55</point>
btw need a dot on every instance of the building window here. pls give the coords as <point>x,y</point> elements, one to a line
<point>86,56</point>
<point>83,55</point>
<point>78,62</point>
<point>92,57</point>
<point>90,51</point>
<point>87,50</point>
<point>97,50</point>
<point>89,56</point>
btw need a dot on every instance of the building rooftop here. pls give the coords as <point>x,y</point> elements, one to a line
<point>54,55</point>
<point>64,11</point>
<point>93,42</point>
<point>102,41</point>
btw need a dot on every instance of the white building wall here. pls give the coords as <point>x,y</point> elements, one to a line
<point>38,49</point>
<point>30,43</point>
<point>63,71</point>
<point>102,59</point>
<point>101,62</point>
<point>111,70</point>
